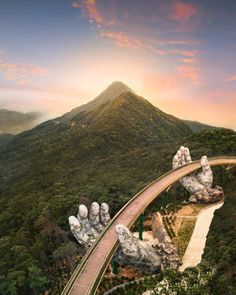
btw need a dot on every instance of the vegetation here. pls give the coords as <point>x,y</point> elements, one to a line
<point>197,126</point>
<point>184,235</point>
<point>220,251</point>
<point>5,138</point>
<point>168,221</point>
<point>169,282</point>
<point>104,155</point>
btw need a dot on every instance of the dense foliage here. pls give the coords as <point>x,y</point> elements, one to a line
<point>5,138</point>
<point>197,126</point>
<point>193,281</point>
<point>220,249</point>
<point>104,155</point>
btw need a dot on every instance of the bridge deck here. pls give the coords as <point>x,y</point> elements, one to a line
<point>88,274</point>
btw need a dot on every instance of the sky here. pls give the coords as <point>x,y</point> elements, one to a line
<point>180,55</point>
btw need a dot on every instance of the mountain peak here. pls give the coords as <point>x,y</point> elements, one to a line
<point>118,86</point>
<point>109,94</point>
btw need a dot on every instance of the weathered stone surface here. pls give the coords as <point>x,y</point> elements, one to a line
<point>132,252</point>
<point>104,214</point>
<point>148,258</point>
<point>199,185</point>
<point>94,217</point>
<point>87,229</point>
<point>78,232</point>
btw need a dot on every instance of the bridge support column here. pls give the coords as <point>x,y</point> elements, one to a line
<point>114,267</point>
<point>164,200</point>
<point>140,227</point>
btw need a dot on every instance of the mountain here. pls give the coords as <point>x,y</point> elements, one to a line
<point>197,126</point>
<point>15,122</point>
<point>110,93</point>
<point>105,154</point>
<point>117,126</point>
<point>128,121</point>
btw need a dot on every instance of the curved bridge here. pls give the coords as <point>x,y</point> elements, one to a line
<point>88,274</point>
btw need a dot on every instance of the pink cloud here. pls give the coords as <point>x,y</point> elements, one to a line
<point>121,39</point>
<point>91,10</point>
<point>184,11</point>
<point>190,53</point>
<point>189,72</point>
<point>231,78</point>
<point>110,22</point>
<point>188,60</point>
<point>20,72</point>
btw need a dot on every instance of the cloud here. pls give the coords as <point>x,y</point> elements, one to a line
<point>187,60</point>
<point>190,53</point>
<point>144,23</point>
<point>89,7</point>
<point>183,12</point>
<point>189,72</point>
<point>121,39</point>
<point>20,72</point>
<point>186,54</point>
<point>231,78</point>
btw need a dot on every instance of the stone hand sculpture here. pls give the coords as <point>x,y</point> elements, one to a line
<point>87,229</point>
<point>148,258</point>
<point>132,252</point>
<point>79,232</point>
<point>199,185</point>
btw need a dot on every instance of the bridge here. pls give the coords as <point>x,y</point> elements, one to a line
<point>88,274</point>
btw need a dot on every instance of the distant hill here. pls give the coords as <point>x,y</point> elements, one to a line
<point>197,126</point>
<point>15,122</point>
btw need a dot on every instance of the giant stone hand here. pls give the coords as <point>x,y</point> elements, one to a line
<point>148,258</point>
<point>79,232</point>
<point>132,252</point>
<point>87,229</point>
<point>199,185</point>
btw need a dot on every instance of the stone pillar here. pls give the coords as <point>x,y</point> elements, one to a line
<point>164,199</point>
<point>114,267</point>
<point>140,227</point>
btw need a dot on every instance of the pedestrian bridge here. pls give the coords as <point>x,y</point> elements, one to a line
<point>88,274</point>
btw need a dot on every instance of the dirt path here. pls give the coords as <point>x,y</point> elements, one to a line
<point>194,251</point>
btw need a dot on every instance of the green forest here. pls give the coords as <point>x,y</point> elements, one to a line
<point>48,171</point>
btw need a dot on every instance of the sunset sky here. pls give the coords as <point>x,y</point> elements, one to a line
<point>180,55</point>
